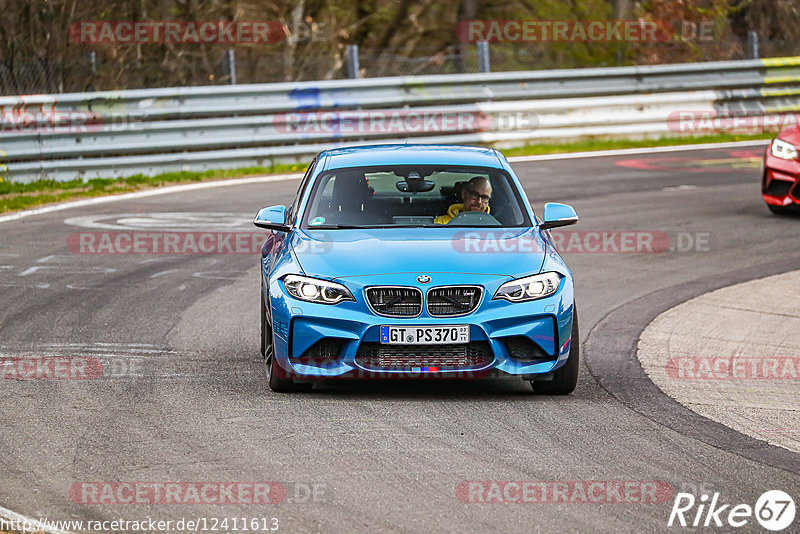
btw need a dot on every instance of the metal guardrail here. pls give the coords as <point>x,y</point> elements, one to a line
<point>402,91</point>
<point>198,128</point>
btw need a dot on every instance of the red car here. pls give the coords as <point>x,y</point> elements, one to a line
<point>780,184</point>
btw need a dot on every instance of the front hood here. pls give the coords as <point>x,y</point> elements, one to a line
<point>791,135</point>
<point>348,253</point>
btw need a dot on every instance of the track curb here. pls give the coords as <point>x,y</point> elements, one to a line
<point>611,356</point>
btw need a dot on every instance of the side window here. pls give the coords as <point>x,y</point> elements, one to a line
<point>293,209</point>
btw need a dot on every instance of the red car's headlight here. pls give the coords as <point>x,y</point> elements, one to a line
<point>783,150</point>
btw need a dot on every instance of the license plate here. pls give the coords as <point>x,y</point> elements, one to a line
<point>425,335</point>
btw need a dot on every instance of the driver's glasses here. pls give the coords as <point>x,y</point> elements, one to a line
<point>476,196</point>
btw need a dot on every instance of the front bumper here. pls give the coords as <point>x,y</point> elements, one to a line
<point>780,184</point>
<point>318,341</point>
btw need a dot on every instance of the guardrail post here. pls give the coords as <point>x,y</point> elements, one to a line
<point>483,57</point>
<point>232,66</point>
<point>91,58</point>
<point>752,44</point>
<point>352,62</point>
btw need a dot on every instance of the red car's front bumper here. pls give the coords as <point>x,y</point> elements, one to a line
<point>780,183</point>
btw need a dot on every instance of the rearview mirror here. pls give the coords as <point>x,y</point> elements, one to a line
<point>272,218</point>
<point>556,215</point>
<point>415,183</point>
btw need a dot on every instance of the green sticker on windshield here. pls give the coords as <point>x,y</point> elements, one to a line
<point>317,220</point>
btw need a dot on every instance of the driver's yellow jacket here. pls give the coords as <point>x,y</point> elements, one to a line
<point>452,211</point>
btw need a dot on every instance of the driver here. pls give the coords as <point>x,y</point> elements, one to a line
<point>476,195</point>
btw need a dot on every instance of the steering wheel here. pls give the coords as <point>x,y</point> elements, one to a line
<point>473,218</point>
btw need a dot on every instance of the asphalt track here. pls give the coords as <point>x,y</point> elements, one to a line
<point>189,401</point>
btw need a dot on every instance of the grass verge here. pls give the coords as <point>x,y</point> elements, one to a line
<point>612,144</point>
<point>17,196</point>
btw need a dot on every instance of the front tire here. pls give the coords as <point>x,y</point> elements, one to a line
<point>276,375</point>
<point>791,209</point>
<point>565,379</point>
<point>777,210</point>
<point>278,384</point>
<point>266,331</point>
<point>276,380</point>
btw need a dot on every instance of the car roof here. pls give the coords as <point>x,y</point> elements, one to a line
<point>412,154</point>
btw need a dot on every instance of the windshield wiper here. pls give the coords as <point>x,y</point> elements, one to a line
<point>355,227</point>
<point>341,226</point>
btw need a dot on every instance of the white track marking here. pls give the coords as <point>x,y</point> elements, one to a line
<point>39,285</point>
<point>28,271</point>
<point>158,260</point>
<point>148,193</point>
<point>634,151</point>
<point>89,286</point>
<point>218,275</point>
<point>680,188</point>
<point>162,273</point>
<point>61,270</point>
<point>183,221</point>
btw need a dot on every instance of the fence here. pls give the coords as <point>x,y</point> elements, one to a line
<point>104,134</point>
<point>88,67</point>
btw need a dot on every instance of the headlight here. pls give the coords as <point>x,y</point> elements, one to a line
<point>783,150</point>
<point>529,288</point>
<point>315,290</point>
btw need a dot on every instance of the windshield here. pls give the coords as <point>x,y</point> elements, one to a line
<point>414,196</point>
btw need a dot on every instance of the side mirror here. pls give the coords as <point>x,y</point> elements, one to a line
<point>556,215</point>
<point>272,218</point>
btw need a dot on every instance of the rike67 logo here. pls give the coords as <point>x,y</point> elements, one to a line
<point>774,510</point>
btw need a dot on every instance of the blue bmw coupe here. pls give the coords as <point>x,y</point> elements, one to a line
<point>415,261</point>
